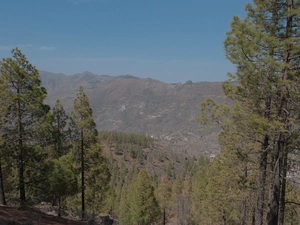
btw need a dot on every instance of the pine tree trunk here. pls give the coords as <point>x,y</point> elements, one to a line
<point>259,214</point>
<point>277,199</point>
<point>253,216</point>
<point>244,202</point>
<point>59,206</point>
<point>3,200</point>
<point>21,175</point>
<point>289,25</point>
<point>274,191</point>
<point>20,157</point>
<point>164,217</point>
<point>243,213</point>
<point>82,176</point>
<point>283,191</point>
<point>224,218</point>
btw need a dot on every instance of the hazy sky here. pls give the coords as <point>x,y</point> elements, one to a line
<point>168,40</point>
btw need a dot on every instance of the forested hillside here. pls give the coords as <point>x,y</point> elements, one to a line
<point>45,153</point>
<point>168,112</point>
<point>49,155</point>
<point>61,156</point>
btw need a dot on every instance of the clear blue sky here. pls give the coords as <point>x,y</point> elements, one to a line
<point>168,40</point>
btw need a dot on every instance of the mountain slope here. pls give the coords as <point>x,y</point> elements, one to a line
<point>167,112</point>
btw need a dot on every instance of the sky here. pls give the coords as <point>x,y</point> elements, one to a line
<point>168,40</point>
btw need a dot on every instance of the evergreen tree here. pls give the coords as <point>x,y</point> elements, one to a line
<point>86,135</point>
<point>124,207</point>
<point>215,195</point>
<point>21,93</point>
<point>265,91</point>
<point>176,188</point>
<point>97,178</point>
<point>187,184</point>
<point>61,133</point>
<point>143,205</point>
<point>61,179</point>
<point>3,108</point>
<point>2,192</point>
<point>164,194</point>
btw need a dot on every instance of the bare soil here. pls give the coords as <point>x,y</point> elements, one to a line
<point>12,215</point>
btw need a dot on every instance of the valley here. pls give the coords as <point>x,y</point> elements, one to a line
<point>166,112</point>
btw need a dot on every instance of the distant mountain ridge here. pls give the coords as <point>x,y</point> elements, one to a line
<point>167,112</point>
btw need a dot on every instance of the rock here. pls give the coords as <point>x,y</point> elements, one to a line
<point>106,220</point>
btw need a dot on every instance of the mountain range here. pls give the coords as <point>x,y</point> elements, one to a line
<point>167,112</point>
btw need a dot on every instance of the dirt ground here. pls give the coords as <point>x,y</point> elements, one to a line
<point>14,216</point>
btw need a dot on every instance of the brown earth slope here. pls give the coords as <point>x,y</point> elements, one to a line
<point>12,215</point>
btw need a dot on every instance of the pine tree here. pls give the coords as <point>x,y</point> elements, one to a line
<point>164,194</point>
<point>2,192</point>
<point>97,178</point>
<point>187,184</point>
<point>265,91</point>
<point>123,206</point>
<point>143,205</point>
<point>3,108</point>
<point>85,134</point>
<point>7,173</point>
<point>61,133</point>
<point>61,179</point>
<point>176,188</point>
<point>21,93</point>
<point>216,194</point>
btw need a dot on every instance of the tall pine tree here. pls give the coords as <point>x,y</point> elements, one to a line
<point>265,89</point>
<point>21,93</point>
<point>85,134</point>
